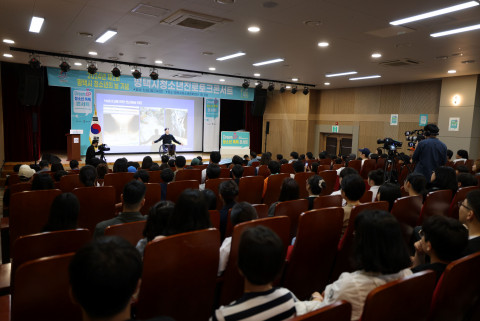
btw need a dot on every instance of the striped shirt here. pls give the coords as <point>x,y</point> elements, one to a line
<point>272,305</point>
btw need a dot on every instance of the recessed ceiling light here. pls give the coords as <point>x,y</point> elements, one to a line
<point>323,44</point>
<point>77,63</point>
<point>142,43</point>
<point>7,55</point>
<point>365,77</point>
<point>268,62</point>
<point>452,71</point>
<point>235,55</point>
<point>376,55</point>
<point>256,75</point>
<point>222,80</point>
<point>8,41</point>
<point>326,84</point>
<point>92,53</point>
<point>158,62</point>
<point>294,79</point>
<point>36,24</point>
<point>212,68</point>
<point>454,31</point>
<point>288,87</point>
<point>253,29</point>
<point>106,36</point>
<point>341,74</point>
<point>435,13</point>
<point>85,34</point>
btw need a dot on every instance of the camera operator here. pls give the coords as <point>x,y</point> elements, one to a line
<point>90,157</point>
<point>430,153</point>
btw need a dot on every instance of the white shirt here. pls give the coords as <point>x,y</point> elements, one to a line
<point>374,190</point>
<point>459,159</point>
<point>224,254</point>
<point>339,192</point>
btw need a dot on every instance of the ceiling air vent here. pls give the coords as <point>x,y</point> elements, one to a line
<point>400,62</point>
<point>193,20</point>
<point>150,11</point>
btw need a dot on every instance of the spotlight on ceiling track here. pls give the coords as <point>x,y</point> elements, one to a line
<point>246,83</point>
<point>136,73</point>
<point>259,85</point>
<point>305,91</point>
<point>116,72</point>
<point>34,63</point>
<point>92,69</point>
<point>154,74</point>
<point>282,88</point>
<point>64,66</point>
<point>271,86</point>
<point>294,90</point>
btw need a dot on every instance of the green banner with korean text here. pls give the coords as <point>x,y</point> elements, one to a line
<point>235,139</point>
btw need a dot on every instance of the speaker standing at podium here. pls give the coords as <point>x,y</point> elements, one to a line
<point>90,158</point>
<point>167,145</point>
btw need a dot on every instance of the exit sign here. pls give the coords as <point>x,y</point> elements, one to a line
<point>334,129</point>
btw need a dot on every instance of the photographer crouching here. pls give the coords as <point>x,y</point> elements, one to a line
<point>430,153</point>
<point>92,152</point>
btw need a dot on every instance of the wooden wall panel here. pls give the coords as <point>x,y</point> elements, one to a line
<point>421,98</point>
<point>366,100</point>
<point>390,99</point>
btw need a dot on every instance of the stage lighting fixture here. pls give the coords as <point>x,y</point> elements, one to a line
<point>305,91</point>
<point>116,72</point>
<point>92,69</point>
<point>154,75</point>
<point>271,87</point>
<point>259,85</point>
<point>246,84</point>
<point>282,88</point>
<point>294,90</point>
<point>34,63</point>
<point>136,74</point>
<point>64,66</point>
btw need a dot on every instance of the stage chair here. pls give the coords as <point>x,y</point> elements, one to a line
<point>263,171</point>
<point>368,165</point>
<point>213,184</point>
<point>330,178</point>
<point>262,210</point>
<point>355,164</point>
<point>155,177</point>
<point>174,189</point>
<point>457,290</point>
<point>153,195</point>
<point>405,299</point>
<point>292,209</point>
<point>327,201</point>
<point>314,251</point>
<point>182,286</point>
<point>337,311</point>
<point>132,232</point>
<point>287,168</point>
<point>407,211</point>
<point>232,286</point>
<point>436,203</point>
<point>215,218</point>
<point>273,188</point>
<point>301,179</point>
<point>69,182</point>
<point>189,174</point>
<point>460,196</point>
<point>97,204</point>
<point>118,181</point>
<point>250,189</point>
<point>248,171</point>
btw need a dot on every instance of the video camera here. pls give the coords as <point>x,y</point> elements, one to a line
<point>103,148</point>
<point>390,144</point>
<point>414,136</point>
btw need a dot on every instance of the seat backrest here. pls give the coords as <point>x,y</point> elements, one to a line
<point>330,177</point>
<point>273,188</point>
<point>301,179</point>
<point>42,291</point>
<point>13,178</point>
<point>215,218</point>
<point>179,274</point>
<point>366,197</point>
<point>97,204</point>
<point>337,311</point>
<point>263,171</point>
<point>325,161</point>
<point>189,174</point>
<point>248,171</point>
<point>29,212</point>
<point>118,181</point>
<point>457,290</point>
<point>69,182</point>
<point>232,287</point>
<point>460,196</point>
<point>155,177</point>
<point>292,209</point>
<point>224,173</point>
<point>355,164</point>
<point>407,211</point>
<point>314,251</point>
<point>20,187</point>
<point>436,203</point>
<point>200,167</point>
<point>322,168</point>
<point>368,165</point>
<point>458,163</point>
<point>132,232</point>
<point>327,201</point>
<point>469,163</point>
<point>287,168</point>
<point>262,210</point>
<point>380,163</point>
<point>250,189</point>
<point>153,194</point>
<point>213,184</point>
<point>405,299</point>
<point>174,189</point>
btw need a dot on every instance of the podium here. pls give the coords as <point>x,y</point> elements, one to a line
<point>73,147</point>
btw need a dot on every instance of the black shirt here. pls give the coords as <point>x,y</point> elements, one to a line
<point>91,154</point>
<point>437,267</point>
<point>167,139</point>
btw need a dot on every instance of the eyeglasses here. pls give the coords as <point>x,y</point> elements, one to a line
<point>460,204</point>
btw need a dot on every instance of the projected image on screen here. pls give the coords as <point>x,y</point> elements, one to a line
<point>151,122</point>
<point>176,120</point>
<point>120,125</point>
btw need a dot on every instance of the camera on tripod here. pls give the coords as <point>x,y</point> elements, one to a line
<point>414,136</point>
<point>103,148</point>
<point>390,144</point>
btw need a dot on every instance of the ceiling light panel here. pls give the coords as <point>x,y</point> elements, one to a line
<point>268,62</point>
<point>106,36</point>
<point>365,77</point>
<point>36,24</point>
<point>235,55</point>
<point>454,31</point>
<point>341,74</point>
<point>9,41</point>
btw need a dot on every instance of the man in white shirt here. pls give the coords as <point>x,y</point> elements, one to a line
<point>364,153</point>
<point>375,179</point>
<point>462,156</point>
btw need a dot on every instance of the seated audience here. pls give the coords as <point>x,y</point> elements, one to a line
<point>154,167</point>
<point>375,179</point>
<point>279,157</point>
<point>120,165</point>
<point>171,163</point>
<point>180,163</point>
<point>165,160</point>
<point>215,158</point>
<point>310,156</point>
<point>462,155</point>
<point>167,176</point>
<point>449,155</point>
<point>293,157</point>
<point>135,165</point>
<point>210,198</point>
<point>195,162</point>
<point>344,172</point>
<point>461,169</point>
<point>415,184</point>
<point>42,181</point>
<point>253,158</point>
<point>476,167</point>
<point>364,154</point>
<point>157,222</point>
<point>315,185</point>
<point>25,173</point>
<point>236,160</point>
<point>211,172</point>
<point>227,191</point>
<point>353,188</point>
<point>283,161</point>
<point>443,178</point>
<point>74,165</point>
<point>443,239</point>
<point>56,167</point>
<point>44,166</point>
<point>264,160</point>
<point>58,175</point>
<point>237,173</point>
<point>131,169</point>
<point>298,167</point>
<point>274,168</point>
<point>289,191</point>
<point>142,175</point>
<point>63,213</point>
<point>260,260</point>
<point>102,170</point>
<point>190,213</point>
<point>469,214</point>
<point>88,175</point>
<point>389,192</point>
<point>147,162</point>
<point>241,212</point>
<point>301,157</point>
<point>133,199</point>
<point>466,180</point>
<point>314,167</point>
<point>105,278</point>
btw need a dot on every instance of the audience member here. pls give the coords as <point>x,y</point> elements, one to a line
<point>353,188</point>
<point>120,165</point>
<point>298,167</point>
<point>42,181</point>
<point>323,155</point>
<point>44,166</point>
<point>264,159</point>
<point>476,167</point>
<point>364,153</point>
<point>462,156</point>
<point>165,160</point>
<point>288,192</point>
<point>74,165</point>
<point>469,214</point>
<point>279,157</point>
<point>154,167</point>
<point>102,170</point>
<point>415,184</point>
<point>147,162</point>
<point>253,158</point>
<point>315,185</point>
<point>215,158</point>
<point>142,175</point>
<point>449,155</point>
<point>375,179</point>
<point>56,167</point>
<point>246,159</point>
<point>133,199</point>
<point>237,173</point>
<point>293,157</point>
<point>180,163</point>
<point>167,176</point>
<point>310,156</point>
<point>190,213</point>
<point>211,172</point>
<point>88,175</point>
<point>227,191</point>
<point>131,169</point>
<point>210,198</point>
<point>135,165</point>
<point>171,163</point>
<point>466,179</point>
<point>236,160</point>
<point>443,178</point>
<point>157,222</point>
<point>63,213</point>
<point>346,171</point>
<point>461,169</point>
<point>25,173</point>
<point>274,168</point>
<point>389,192</point>
<point>58,175</point>
<point>195,162</point>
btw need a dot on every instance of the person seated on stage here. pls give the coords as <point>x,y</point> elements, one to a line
<point>469,214</point>
<point>389,192</point>
<point>443,239</point>
<point>415,184</point>
<point>102,170</point>
<point>289,191</point>
<point>353,188</point>
<point>274,168</point>
<point>44,166</point>
<point>375,179</point>
<point>293,157</point>
<point>63,213</point>
<point>462,156</point>
<point>167,139</point>
<point>237,173</point>
<point>90,157</point>
<point>156,224</point>
<point>142,176</point>
<point>133,199</point>
<point>164,164</point>
<point>58,175</point>
<point>105,278</point>
<point>227,191</point>
<point>215,158</point>
<point>88,175</point>
<point>180,163</point>
<point>120,165</point>
<point>74,165</point>
<point>190,213</point>
<point>315,185</point>
<point>466,179</point>
<point>147,163</point>
<point>298,167</point>
<point>260,260</point>
<point>167,176</point>
<point>42,181</point>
